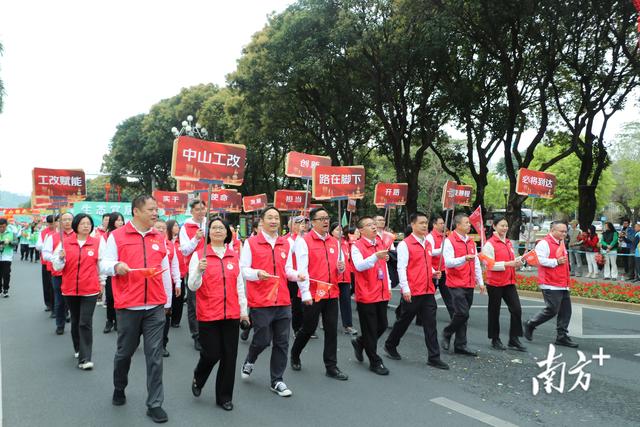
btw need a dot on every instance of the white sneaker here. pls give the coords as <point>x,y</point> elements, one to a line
<point>247,369</point>
<point>281,389</point>
<point>76,355</point>
<point>86,366</point>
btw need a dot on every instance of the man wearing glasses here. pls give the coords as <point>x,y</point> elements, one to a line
<point>553,279</point>
<point>319,260</point>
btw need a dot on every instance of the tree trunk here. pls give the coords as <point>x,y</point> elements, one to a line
<point>412,193</point>
<point>587,205</point>
<point>514,215</point>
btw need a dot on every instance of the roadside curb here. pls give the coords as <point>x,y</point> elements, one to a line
<point>588,301</point>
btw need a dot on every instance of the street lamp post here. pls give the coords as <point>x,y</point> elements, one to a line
<point>188,128</point>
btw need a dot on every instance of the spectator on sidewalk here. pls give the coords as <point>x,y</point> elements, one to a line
<point>609,246</point>
<point>590,246</point>
<point>575,257</point>
<point>636,249</point>
<point>625,248</point>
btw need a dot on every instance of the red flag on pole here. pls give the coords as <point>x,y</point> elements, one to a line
<point>476,220</point>
<point>531,258</point>
<point>273,292</point>
<point>489,262</point>
<point>322,289</point>
<point>562,250</point>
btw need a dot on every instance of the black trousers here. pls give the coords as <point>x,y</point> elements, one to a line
<point>296,307</point>
<point>47,289</point>
<point>177,304</point>
<point>637,267</point>
<point>271,326</point>
<point>441,284</point>
<point>509,294</point>
<point>5,275</point>
<point>81,309</point>
<point>111,311</point>
<point>311,315</point>
<point>191,313</point>
<point>461,299</point>
<point>558,303</point>
<point>373,323</point>
<point>345,304</point>
<point>24,251</point>
<point>427,307</point>
<point>32,251</point>
<point>219,340</point>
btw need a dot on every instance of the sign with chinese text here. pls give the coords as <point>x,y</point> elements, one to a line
<point>290,200</point>
<point>456,194</point>
<point>69,183</point>
<point>536,184</point>
<point>254,203</point>
<point>330,182</point>
<point>301,165</point>
<point>192,186</point>
<point>171,201</point>
<point>224,199</point>
<point>390,194</point>
<point>194,159</point>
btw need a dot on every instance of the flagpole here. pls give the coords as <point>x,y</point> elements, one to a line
<point>341,228</point>
<point>446,215</point>
<point>206,222</point>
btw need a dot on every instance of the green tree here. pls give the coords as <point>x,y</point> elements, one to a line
<point>626,169</point>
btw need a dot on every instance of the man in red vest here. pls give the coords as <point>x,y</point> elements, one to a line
<point>266,266</point>
<point>372,291</point>
<point>463,274</point>
<point>436,239</point>
<point>47,288</point>
<point>317,259</point>
<point>136,256</point>
<point>191,240</point>
<point>553,279</point>
<point>415,273</point>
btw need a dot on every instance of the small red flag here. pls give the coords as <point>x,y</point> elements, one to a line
<point>531,257</point>
<point>388,239</point>
<point>322,289</point>
<point>476,220</point>
<point>489,262</point>
<point>562,250</point>
<point>273,292</point>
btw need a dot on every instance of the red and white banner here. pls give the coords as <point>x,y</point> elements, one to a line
<point>254,203</point>
<point>331,182</point>
<point>301,165</point>
<point>390,194</point>
<point>171,201</point>
<point>290,200</point>
<point>68,183</point>
<point>455,194</point>
<point>352,205</point>
<point>194,159</point>
<point>192,186</point>
<point>536,184</point>
<point>228,200</point>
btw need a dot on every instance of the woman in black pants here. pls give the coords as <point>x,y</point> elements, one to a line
<point>177,303</point>
<point>220,306</point>
<point>116,220</point>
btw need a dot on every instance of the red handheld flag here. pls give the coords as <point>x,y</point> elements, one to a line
<point>322,289</point>
<point>273,292</point>
<point>476,220</point>
<point>489,262</point>
<point>562,250</point>
<point>388,239</point>
<point>531,258</point>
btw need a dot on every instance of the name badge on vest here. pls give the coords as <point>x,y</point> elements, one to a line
<point>380,274</point>
<point>230,266</point>
<point>90,253</point>
<point>155,247</point>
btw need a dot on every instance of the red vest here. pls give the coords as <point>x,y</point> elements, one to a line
<point>554,276</point>
<point>345,276</point>
<point>291,238</point>
<point>323,262</point>
<point>192,229</point>
<point>217,298</point>
<point>369,287</point>
<point>273,261</point>
<point>184,267</point>
<point>171,251</point>
<point>55,240</point>
<point>503,251</point>
<point>44,233</point>
<point>419,273</point>
<point>465,275</point>
<point>437,241</point>
<point>133,289</point>
<point>80,272</point>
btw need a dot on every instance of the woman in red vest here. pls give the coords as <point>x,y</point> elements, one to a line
<point>344,281</point>
<point>177,303</point>
<point>77,259</point>
<point>220,306</point>
<point>590,245</point>
<point>501,279</point>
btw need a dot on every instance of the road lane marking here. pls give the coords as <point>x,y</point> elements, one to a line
<point>472,413</point>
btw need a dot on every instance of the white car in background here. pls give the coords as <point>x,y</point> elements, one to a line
<point>546,226</point>
<point>598,225</point>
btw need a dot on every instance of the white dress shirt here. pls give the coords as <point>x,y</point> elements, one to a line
<point>187,245</point>
<point>543,252</point>
<point>450,261</point>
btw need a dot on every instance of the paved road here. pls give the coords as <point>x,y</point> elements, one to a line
<point>41,385</point>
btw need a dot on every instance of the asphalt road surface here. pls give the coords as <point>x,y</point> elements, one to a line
<point>42,386</point>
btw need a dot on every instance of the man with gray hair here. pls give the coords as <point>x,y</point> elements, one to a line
<point>553,279</point>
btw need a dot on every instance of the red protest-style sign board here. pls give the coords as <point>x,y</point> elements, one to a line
<point>254,203</point>
<point>171,200</point>
<point>194,159</point>
<point>225,199</point>
<point>192,186</point>
<point>330,182</point>
<point>536,184</point>
<point>390,194</point>
<point>290,200</point>
<point>456,194</point>
<point>352,205</point>
<point>301,165</point>
<point>68,183</point>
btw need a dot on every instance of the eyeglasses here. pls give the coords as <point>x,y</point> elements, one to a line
<point>324,218</point>
<point>218,227</point>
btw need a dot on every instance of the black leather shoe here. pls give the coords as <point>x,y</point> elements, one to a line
<point>528,330</point>
<point>439,364</point>
<point>108,327</point>
<point>566,342</point>
<point>165,353</point>
<point>158,415</point>
<point>445,342</point>
<point>295,363</point>
<point>391,352</point>
<point>195,389</point>
<point>497,344</point>
<point>514,344</point>
<point>59,331</point>
<point>357,349</point>
<point>119,398</point>
<point>227,406</point>
<point>465,351</point>
<point>379,369</point>
<point>337,374</point>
